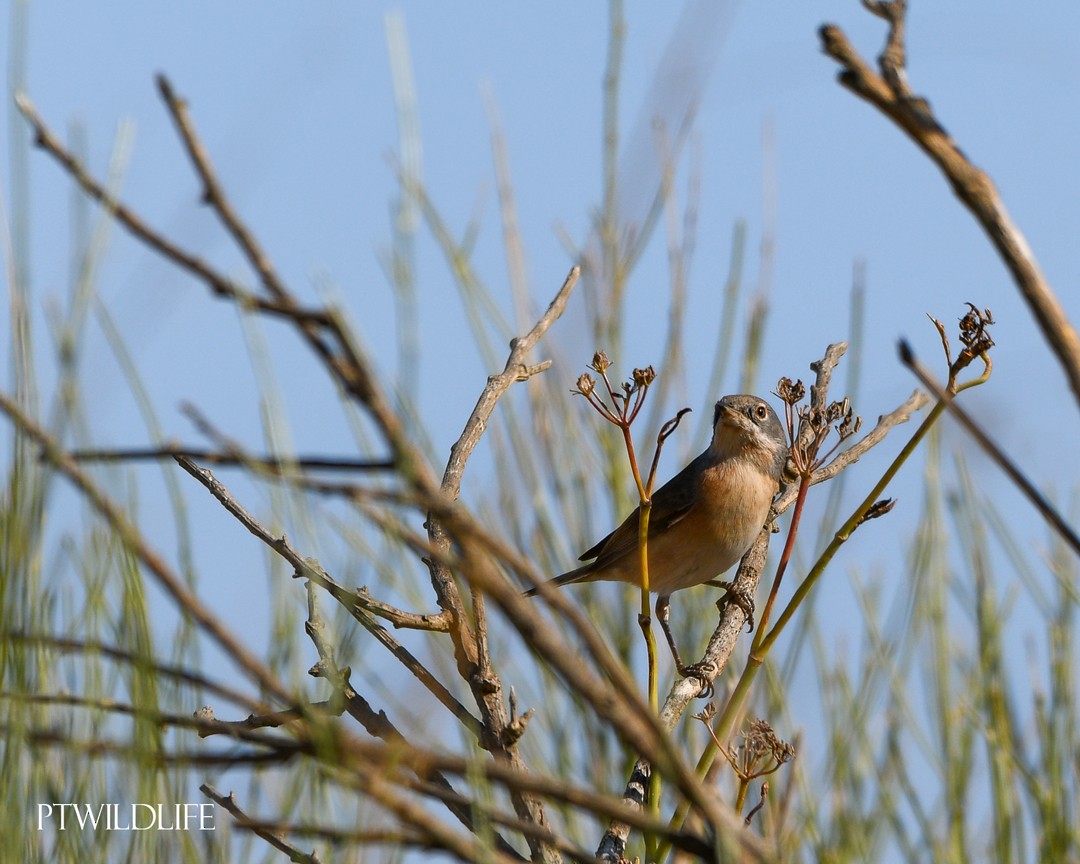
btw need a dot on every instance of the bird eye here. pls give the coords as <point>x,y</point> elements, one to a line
<point>761,411</point>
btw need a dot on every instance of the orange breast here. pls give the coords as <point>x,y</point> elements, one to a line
<point>730,508</point>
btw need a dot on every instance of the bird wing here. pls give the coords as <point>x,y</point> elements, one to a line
<point>670,503</point>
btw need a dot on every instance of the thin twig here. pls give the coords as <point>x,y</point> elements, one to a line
<point>1027,488</point>
<point>274,836</point>
<point>214,195</point>
<point>274,832</point>
<point>97,748</point>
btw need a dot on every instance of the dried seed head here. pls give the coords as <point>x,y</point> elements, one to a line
<point>707,713</point>
<point>644,377</point>
<point>600,362</point>
<point>848,423</point>
<point>761,741</point>
<point>973,333</point>
<point>585,385</point>
<point>790,391</point>
<point>816,418</point>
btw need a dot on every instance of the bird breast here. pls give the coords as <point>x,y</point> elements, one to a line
<point>730,509</point>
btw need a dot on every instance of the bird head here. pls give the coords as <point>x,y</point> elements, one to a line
<point>747,427</point>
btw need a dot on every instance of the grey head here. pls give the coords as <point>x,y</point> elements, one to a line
<point>747,427</point>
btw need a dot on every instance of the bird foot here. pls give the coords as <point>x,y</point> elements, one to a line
<point>705,672</point>
<point>743,599</point>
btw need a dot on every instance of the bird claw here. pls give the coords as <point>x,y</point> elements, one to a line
<point>743,599</point>
<point>705,672</point>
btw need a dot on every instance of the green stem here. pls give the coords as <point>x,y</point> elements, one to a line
<point>740,798</point>
<point>645,618</point>
<point>849,527</point>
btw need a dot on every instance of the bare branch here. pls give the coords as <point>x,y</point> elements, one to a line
<point>220,285</point>
<point>515,370</point>
<point>274,835</point>
<point>178,673</point>
<point>215,196</point>
<point>890,93</point>
<point>439,623</point>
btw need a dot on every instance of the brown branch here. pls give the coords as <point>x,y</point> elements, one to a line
<point>889,93</point>
<point>401,619</point>
<point>202,721</point>
<point>273,720</point>
<point>215,457</point>
<point>220,285</point>
<point>325,334</point>
<point>98,748</point>
<point>309,568</point>
<point>272,834</point>
<point>378,724</point>
<point>69,645</point>
<point>214,195</point>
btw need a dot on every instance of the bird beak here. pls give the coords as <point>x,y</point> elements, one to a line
<point>725,412</point>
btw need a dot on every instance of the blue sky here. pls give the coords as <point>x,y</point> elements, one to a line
<point>295,103</point>
<point>296,106</point>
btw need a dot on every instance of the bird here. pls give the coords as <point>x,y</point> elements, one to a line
<point>705,518</point>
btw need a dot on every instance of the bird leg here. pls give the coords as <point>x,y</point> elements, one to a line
<point>701,671</point>
<point>740,598</point>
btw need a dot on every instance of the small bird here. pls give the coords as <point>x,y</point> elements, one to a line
<point>706,517</point>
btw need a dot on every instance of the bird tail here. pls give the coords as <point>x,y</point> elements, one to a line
<point>579,575</point>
